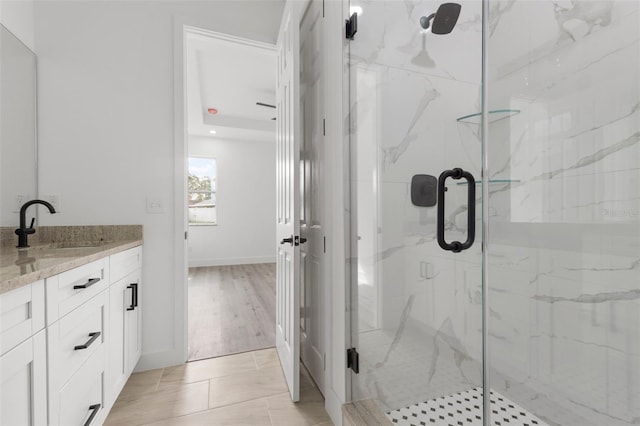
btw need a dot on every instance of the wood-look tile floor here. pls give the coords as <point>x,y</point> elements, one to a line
<point>231,309</point>
<point>242,389</point>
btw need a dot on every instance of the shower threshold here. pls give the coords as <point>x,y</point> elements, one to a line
<point>464,409</point>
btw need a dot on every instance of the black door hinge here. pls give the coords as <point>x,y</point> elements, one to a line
<point>352,26</point>
<point>353,360</point>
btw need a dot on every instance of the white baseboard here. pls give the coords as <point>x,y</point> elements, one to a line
<point>198,263</point>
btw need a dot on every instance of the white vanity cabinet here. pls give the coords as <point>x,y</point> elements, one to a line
<point>77,362</point>
<point>69,343</point>
<point>125,317</point>
<point>23,352</point>
<point>93,336</point>
<point>77,332</point>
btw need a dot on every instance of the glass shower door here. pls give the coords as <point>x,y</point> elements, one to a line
<point>416,307</point>
<point>564,245</point>
<point>562,206</point>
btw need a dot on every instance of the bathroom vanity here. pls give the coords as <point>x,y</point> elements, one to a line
<point>70,317</point>
<point>70,304</point>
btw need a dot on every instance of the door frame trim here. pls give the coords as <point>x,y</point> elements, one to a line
<point>183,28</point>
<point>337,172</point>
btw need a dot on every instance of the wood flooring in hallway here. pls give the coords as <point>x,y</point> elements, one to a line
<point>231,309</point>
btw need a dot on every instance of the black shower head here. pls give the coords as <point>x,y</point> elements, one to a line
<point>444,19</point>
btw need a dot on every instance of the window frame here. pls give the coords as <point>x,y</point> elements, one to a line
<point>213,192</point>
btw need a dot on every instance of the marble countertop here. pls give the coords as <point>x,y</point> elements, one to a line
<point>20,267</point>
<point>55,249</point>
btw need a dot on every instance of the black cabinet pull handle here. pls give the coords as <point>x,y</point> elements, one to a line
<point>134,296</point>
<point>457,173</point>
<point>287,240</point>
<point>93,336</point>
<point>94,411</point>
<point>89,283</point>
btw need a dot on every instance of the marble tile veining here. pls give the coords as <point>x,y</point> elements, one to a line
<point>564,230</point>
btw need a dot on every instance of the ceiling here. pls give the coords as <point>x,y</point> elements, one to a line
<point>230,75</point>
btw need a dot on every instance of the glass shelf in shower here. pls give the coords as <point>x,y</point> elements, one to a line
<point>495,115</point>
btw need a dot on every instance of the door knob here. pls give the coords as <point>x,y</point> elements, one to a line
<point>287,240</point>
<point>303,240</point>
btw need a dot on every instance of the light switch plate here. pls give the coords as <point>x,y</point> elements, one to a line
<point>19,201</point>
<point>155,205</point>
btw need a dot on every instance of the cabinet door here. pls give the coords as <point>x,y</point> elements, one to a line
<point>117,373</point>
<point>133,322</point>
<point>23,383</point>
<point>124,326</point>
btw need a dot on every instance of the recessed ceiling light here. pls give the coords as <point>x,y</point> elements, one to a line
<point>213,132</point>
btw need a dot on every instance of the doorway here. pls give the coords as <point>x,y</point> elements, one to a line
<point>230,97</point>
<point>232,164</point>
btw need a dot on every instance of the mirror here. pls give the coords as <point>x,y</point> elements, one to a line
<point>18,146</point>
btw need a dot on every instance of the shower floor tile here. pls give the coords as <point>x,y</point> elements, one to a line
<point>416,367</point>
<point>464,409</point>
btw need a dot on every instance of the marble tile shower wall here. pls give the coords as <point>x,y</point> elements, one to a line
<point>564,235</point>
<point>408,89</point>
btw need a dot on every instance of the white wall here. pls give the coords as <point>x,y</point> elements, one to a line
<point>18,17</point>
<point>106,127</point>
<point>245,204</point>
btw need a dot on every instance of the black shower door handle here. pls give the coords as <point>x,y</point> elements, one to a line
<point>457,173</point>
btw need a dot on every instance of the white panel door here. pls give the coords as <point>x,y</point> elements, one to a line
<point>312,230</point>
<point>288,202</point>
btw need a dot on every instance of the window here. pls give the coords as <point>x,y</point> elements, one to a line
<point>202,191</point>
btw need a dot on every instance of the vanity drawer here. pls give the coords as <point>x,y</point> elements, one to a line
<point>70,289</point>
<point>124,263</point>
<point>82,396</point>
<point>75,338</point>
<point>21,315</point>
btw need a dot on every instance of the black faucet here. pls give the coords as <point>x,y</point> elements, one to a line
<point>23,231</point>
